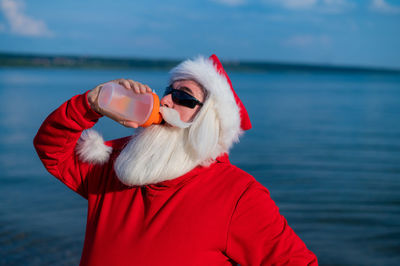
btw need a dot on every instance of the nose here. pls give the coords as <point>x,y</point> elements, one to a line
<point>167,101</point>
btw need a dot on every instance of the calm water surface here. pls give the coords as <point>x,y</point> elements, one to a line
<point>327,146</point>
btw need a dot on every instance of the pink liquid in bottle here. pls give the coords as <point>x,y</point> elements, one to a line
<point>125,103</point>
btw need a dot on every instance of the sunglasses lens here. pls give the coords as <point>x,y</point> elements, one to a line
<point>181,97</point>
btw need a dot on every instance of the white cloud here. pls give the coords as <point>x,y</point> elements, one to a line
<point>324,6</point>
<point>308,40</point>
<point>293,4</point>
<point>19,22</point>
<point>384,7</point>
<point>336,6</point>
<point>231,2</point>
<point>298,4</point>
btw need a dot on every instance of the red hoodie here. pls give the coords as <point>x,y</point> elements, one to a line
<point>216,215</point>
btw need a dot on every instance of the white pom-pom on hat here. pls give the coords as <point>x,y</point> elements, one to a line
<point>91,147</point>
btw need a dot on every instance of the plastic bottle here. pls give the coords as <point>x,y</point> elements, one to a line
<point>140,108</point>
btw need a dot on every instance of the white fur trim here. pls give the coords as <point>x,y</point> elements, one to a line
<point>91,147</point>
<point>203,71</point>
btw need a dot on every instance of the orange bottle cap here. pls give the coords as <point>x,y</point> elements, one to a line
<point>155,116</point>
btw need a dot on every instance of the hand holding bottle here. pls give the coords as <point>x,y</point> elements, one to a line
<point>128,84</point>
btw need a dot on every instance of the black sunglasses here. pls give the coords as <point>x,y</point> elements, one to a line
<point>182,98</point>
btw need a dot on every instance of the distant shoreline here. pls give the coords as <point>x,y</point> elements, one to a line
<point>96,62</point>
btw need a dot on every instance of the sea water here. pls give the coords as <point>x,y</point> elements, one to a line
<point>327,146</point>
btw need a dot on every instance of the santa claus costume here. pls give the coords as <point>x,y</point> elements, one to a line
<point>196,209</point>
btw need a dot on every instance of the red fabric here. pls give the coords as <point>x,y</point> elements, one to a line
<point>245,123</point>
<point>217,215</point>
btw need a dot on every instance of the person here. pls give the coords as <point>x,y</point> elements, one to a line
<point>168,195</point>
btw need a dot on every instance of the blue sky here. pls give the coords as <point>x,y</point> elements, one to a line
<point>338,32</point>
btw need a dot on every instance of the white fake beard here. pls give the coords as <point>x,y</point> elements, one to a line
<point>157,153</point>
<point>161,152</point>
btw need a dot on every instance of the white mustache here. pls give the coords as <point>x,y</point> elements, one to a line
<point>172,117</point>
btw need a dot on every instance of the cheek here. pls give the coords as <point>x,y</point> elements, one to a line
<point>186,114</point>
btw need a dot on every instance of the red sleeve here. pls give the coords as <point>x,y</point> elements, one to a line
<point>56,140</point>
<point>259,235</point>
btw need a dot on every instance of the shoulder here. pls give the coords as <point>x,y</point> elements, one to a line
<point>226,175</point>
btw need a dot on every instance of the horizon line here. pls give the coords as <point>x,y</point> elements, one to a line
<point>93,61</point>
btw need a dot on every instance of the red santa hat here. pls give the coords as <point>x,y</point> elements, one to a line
<point>231,113</point>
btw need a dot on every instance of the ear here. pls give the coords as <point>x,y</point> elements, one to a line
<point>204,133</point>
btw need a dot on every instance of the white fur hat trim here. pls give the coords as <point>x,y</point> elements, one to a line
<point>203,71</point>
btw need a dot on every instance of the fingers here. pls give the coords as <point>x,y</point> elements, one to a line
<point>148,89</point>
<point>125,83</point>
<point>136,86</point>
